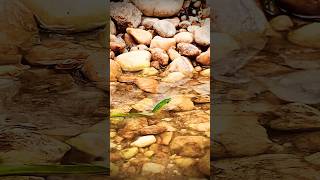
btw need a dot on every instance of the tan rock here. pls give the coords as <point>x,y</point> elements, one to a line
<point>145,104</point>
<point>190,146</point>
<point>147,84</point>
<point>152,168</point>
<point>149,71</point>
<point>204,58</point>
<point>134,60</point>
<point>163,43</point>
<point>180,103</point>
<point>95,68</point>
<point>164,28</point>
<point>125,14</point>
<point>181,64</point>
<point>113,29</point>
<point>184,37</point>
<point>173,54</point>
<point>173,77</point>
<point>202,36</point>
<point>166,137</point>
<point>129,152</point>
<point>141,36</point>
<point>148,22</point>
<point>205,73</point>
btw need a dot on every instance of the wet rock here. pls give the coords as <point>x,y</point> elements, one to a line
<point>129,153</point>
<point>51,52</point>
<point>152,168</point>
<point>173,77</point>
<point>10,54</point>
<point>153,129</point>
<point>115,70</point>
<point>202,36</point>
<point>307,142</point>
<point>147,84</point>
<point>295,116</point>
<point>223,45</point>
<point>295,87</point>
<point>243,20</point>
<point>275,166</point>
<point>164,28</point>
<point>9,70</point>
<point>163,43</point>
<point>30,147</point>
<point>313,158</point>
<point>158,54</point>
<point>180,103</point>
<point>69,17</point>
<point>8,88</point>
<point>144,141</point>
<point>113,29</point>
<point>19,31</point>
<point>148,22</point>
<point>134,60</point>
<point>308,35</point>
<point>181,64</point>
<point>159,8</point>
<point>22,178</point>
<point>184,37</point>
<point>232,129</point>
<point>190,146</point>
<point>189,50</point>
<point>204,58</point>
<point>95,68</point>
<point>92,143</point>
<point>141,36</point>
<point>281,23</point>
<point>125,14</point>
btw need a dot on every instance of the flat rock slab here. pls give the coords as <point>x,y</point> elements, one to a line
<point>267,166</point>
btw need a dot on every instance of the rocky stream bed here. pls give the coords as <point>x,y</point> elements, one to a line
<point>54,96</point>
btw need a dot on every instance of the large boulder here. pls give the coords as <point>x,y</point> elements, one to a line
<point>125,14</point>
<point>18,30</point>
<point>68,16</point>
<point>159,8</point>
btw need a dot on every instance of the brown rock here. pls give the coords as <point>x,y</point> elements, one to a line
<point>204,58</point>
<point>190,146</point>
<point>115,70</point>
<point>189,50</point>
<point>160,55</point>
<point>125,14</point>
<point>147,84</point>
<point>153,129</point>
<point>141,36</point>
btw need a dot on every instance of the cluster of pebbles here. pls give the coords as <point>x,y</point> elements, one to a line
<point>158,50</point>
